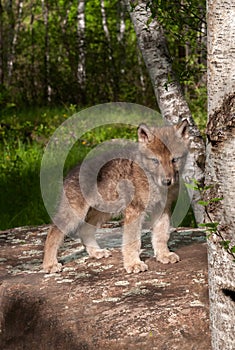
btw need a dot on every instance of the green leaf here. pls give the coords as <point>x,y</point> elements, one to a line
<point>225,244</point>
<point>192,187</point>
<point>196,182</point>
<point>233,249</point>
<point>203,203</point>
<point>210,224</point>
<point>216,199</point>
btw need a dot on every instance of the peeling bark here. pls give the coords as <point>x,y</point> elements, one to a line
<point>172,104</point>
<point>220,169</point>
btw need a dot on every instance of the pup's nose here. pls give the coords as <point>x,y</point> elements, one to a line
<point>166,181</point>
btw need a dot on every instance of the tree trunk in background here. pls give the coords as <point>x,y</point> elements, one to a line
<point>47,87</point>
<point>15,31</point>
<point>220,168</point>
<point>104,20</point>
<point>81,68</point>
<point>122,25</point>
<point>32,49</point>
<point>1,45</point>
<point>171,101</point>
<point>114,77</point>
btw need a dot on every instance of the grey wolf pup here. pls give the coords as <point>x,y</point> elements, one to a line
<point>143,180</point>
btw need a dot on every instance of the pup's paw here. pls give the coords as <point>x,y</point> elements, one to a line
<point>98,253</point>
<point>52,268</point>
<point>135,267</point>
<point>168,258</point>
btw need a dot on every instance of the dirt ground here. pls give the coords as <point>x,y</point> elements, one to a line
<point>95,304</point>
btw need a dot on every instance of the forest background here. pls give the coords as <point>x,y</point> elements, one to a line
<point>60,56</point>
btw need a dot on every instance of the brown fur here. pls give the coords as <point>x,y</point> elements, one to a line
<point>141,178</point>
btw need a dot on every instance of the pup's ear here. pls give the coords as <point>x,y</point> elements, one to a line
<point>144,134</point>
<point>182,129</point>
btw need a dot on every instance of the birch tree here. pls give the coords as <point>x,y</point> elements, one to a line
<point>15,32</point>
<point>81,67</point>
<point>104,20</point>
<point>47,87</point>
<point>113,78</point>
<point>220,170</point>
<point>32,49</point>
<point>1,45</point>
<point>121,25</point>
<point>171,102</point>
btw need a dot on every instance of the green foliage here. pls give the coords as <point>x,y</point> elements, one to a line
<point>184,23</point>
<point>212,227</point>
<point>23,137</point>
<point>197,100</point>
<point>113,67</point>
<point>19,185</point>
<point>114,72</point>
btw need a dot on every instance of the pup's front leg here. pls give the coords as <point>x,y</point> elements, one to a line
<point>131,245</point>
<point>161,235</point>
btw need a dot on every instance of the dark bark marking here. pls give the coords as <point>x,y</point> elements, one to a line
<point>229,293</point>
<point>222,122</point>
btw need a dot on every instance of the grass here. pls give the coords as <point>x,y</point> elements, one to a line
<point>23,137</point>
<point>20,202</point>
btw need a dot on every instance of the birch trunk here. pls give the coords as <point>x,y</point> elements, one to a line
<point>220,168</point>
<point>47,87</point>
<point>64,19</point>
<point>171,101</point>
<point>1,45</point>
<point>81,68</point>
<point>114,78</point>
<point>122,25</point>
<point>104,20</point>
<point>32,55</point>
<point>16,29</point>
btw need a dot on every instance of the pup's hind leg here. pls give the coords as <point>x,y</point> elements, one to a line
<point>68,220</point>
<point>54,239</point>
<point>87,234</point>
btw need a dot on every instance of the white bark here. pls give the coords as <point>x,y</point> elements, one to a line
<point>81,25</point>
<point>11,59</point>
<point>171,101</point>
<point>47,87</point>
<point>32,50</point>
<point>104,20</point>
<point>122,23</point>
<point>220,168</point>
<point>65,49</point>
<point>1,45</point>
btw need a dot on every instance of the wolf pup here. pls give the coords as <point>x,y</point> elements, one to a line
<point>153,170</point>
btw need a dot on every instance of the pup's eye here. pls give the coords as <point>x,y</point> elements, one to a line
<point>155,160</point>
<point>176,159</point>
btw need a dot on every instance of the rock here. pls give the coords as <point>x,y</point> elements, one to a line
<point>95,304</point>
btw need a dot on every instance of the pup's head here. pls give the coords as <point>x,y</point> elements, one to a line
<point>163,151</point>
